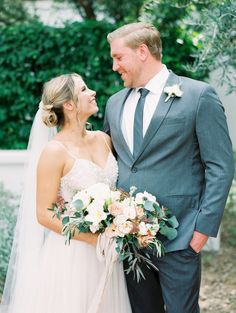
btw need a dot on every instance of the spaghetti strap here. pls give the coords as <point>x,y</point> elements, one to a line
<point>65,148</point>
<point>104,138</point>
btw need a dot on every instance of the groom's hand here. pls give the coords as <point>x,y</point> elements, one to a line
<point>198,241</point>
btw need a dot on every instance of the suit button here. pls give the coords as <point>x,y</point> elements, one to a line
<point>134,170</point>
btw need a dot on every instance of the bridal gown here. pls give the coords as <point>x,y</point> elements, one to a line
<point>68,275</point>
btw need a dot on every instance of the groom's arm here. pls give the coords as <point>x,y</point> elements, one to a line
<point>217,158</point>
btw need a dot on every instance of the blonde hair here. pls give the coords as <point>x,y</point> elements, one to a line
<point>135,34</point>
<point>56,92</point>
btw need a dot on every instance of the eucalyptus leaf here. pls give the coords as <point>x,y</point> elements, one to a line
<point>173,221</point>
<point>118,250</point>
<point>168,232</point>
<point>84,228</point>
<point>65,220</point>
<point>78,204</point>
<point>148,205</point>
<point>157,207</point>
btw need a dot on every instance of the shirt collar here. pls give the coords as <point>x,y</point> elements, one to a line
<point>156,84</point>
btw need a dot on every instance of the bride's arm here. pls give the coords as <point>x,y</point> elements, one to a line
<point>49,172</point>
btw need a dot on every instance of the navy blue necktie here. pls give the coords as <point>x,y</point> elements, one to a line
<point>138,121</point>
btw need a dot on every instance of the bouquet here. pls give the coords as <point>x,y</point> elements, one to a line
<point>133,221</point>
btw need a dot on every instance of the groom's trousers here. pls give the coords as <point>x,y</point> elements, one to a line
<point>180,278</point>
<point>177,281</point>
<point>145,296</point>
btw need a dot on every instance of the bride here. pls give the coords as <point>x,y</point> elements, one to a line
<point>45,275</point>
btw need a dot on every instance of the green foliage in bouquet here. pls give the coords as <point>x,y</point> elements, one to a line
<point>8,204</point>
<point>130,221</point>
<point>130,247</point>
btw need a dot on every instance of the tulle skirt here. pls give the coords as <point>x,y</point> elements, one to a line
<point>67,279</point>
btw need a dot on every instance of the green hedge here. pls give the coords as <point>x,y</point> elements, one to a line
<point>9,203</point>
<point>31,54</point>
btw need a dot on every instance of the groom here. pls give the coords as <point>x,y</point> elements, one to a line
<point>174,143</point>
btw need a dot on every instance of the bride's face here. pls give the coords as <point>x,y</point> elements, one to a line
<point>86,104</point>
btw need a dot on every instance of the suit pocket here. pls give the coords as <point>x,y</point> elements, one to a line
<point>188,253</point>
<point>192,250</point>
<point>173,121</point>
<point>180,202</point>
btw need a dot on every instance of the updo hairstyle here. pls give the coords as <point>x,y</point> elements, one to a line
<point>56,92</point>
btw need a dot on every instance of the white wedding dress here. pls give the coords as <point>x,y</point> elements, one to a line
<point>68,275</point>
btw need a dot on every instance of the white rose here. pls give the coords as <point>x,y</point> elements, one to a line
<point>126,201</point>
<point>149,196</point>
<point>93,228</point>
<point>96,213</point>
<point>125,228</point>
<point>99,191</point>
<point>130,211</point>
<point>143,230</point>
<point>83,196</point>
<point>139,198</point>
<point>120,219</point>
<point>115,195</point>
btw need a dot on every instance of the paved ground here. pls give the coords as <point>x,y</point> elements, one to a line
<point>218,292</point>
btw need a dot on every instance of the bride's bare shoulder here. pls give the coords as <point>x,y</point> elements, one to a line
<point>53,152</point>
<point>104,137</point>
<point>54,147</point>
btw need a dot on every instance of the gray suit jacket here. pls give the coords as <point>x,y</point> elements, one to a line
<point>185,160</point>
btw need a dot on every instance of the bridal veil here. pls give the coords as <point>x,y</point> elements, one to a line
<point>29,234</point>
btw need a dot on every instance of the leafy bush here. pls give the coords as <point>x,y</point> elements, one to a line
<point>8,204</point>
<point>33,53</point>
<point>180,38</point>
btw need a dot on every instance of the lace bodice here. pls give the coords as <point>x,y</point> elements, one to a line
<point>85,173</point>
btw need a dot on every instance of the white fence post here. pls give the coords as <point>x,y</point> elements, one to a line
<point>12,169</point>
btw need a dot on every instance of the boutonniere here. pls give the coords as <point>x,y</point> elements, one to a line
<point>173,91</point>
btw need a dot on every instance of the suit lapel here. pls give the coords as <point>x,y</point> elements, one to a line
<point>119,120</point>
<point>160,113</point>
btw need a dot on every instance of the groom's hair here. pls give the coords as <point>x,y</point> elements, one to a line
<point>135,34</point>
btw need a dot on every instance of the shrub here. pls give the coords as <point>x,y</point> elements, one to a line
<point>33,53</point>
<point>8,204</point>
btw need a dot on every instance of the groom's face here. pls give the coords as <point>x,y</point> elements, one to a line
<point>126,62</point>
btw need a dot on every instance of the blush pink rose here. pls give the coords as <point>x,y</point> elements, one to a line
<point>139,212</point>
<point>115,209</point>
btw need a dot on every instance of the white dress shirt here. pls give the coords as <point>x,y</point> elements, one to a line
<point>155,87</point>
